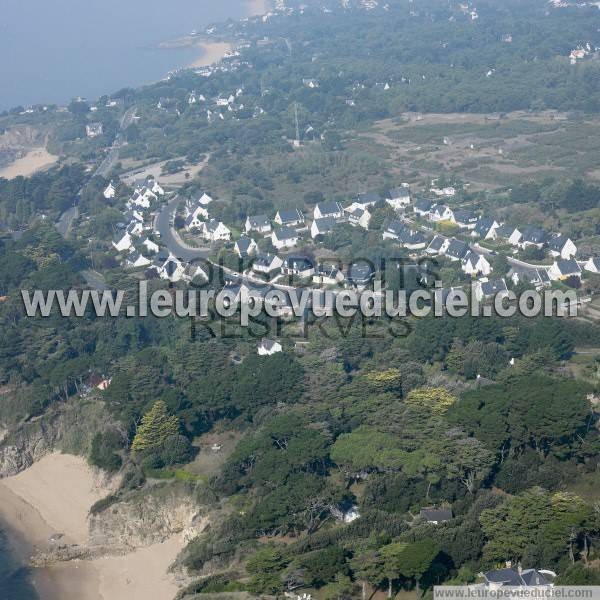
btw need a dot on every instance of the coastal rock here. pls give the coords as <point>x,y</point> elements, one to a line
<point>146,520</point>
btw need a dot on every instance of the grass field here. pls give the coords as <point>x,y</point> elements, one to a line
<point>489,150</point>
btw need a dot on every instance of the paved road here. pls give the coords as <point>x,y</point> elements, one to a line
<point>94,280</point>
<point>170,238</point>
<point>515,262</point>
<point>63,225</point>
<point>113,154</point>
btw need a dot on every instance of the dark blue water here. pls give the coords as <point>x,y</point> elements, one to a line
<point>54,50</point>
<point>14,578</point>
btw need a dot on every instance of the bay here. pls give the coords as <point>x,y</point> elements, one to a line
<point>54,50</point>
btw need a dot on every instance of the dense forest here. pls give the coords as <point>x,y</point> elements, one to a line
<point>488,418</point>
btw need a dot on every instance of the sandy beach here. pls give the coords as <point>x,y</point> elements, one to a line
<point>54,496</point>
<point>258,7</point>
<point>35,160</point>
<point>212,53</point>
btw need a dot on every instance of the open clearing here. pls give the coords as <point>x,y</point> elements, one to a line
<point>488,150</point>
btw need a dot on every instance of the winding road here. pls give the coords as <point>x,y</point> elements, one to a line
<point>170,238</point>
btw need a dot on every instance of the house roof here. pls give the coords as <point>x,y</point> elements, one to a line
<point>512,577</point>
<point>212,225</point>
<point>464,216</point>
<point>568,267</point>
<point>395,227</point>
<point>534,577</point>
<point>297,263</point>
<point>484,224</point>
<point>325,225</point>
<point>369,198</point>
<point>244,243</point>
<point>265,260</point>
<point>324,270</point>
<point>409,237</point>
<point>291,216</point>
<point>491,288</point>
<point>472,257</point>
<point>457,249</point>
<point>436,243</point>
<point>399,192</point>
<point>436,514</point>
<point>532,275</point>
<point>505,231</point>
<point>558,242</point>
<point>359,273</point>
<point>505,576</point>
<point>423,204</point>
<point>596,263</point>
<point>439,209</point>
<point>535,235</point>
<point>259,221</point>
<point>285,233</point>
<point>268,344</point>
<point>329,208</point>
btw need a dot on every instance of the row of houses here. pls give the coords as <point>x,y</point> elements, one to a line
<point>487,228</point>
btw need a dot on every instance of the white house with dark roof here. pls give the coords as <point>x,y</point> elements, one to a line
<point>266,263</point>
<point>172,269</point>
<point>440,212</point>
<point>136,260</point>
<point>245,246</point>
<point>322,226</point>
<point>465,219</point>
<point>196,217</point>
<point>422,207</point>
<point>518,578</point>
<point>135,227</point>
<point>284,237</point>
<point>367,200</point>
<point>150,245</point>
<point>485,228</point>
<point>215,231</point>
<point>593,265</point>
<point>194,271</point>
<point>457,250</point>
<point>563,269</point>
<point>110,191</point>
<point>563,247</point>
<point>269,347</point>
<point>533,236</point>
<point>398,197</point>
<point>476,264</point>
<point>435,516</point>
<point>485,289</point>
<point>122,241</point>
<point>258,223</point>
<point>438,245</point>
<point>539,278</point>
<point>358,217</point>
<point>403,235</point>
<point>508,233</point>
<point>290,218</point>
<point>326,274</point>
<point>332,210</point>
<point>298,266</point>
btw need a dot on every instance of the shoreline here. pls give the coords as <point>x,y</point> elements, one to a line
<point>54,497</point>
<point>212,52</point>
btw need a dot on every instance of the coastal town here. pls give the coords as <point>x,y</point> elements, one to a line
<point>312,150</point>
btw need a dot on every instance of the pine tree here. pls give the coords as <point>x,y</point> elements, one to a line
<point>156,426</point>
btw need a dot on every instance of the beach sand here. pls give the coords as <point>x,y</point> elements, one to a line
<point>35,160</point>
<point>212,53</point>
<point>258,7</point>
<point>54,496</point>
